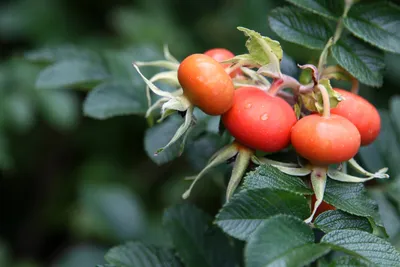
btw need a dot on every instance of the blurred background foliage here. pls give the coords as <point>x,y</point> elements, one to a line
<point>70,186</point>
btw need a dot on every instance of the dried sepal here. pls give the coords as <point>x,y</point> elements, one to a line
<point>318,181</point>
<point>220,157</point>
<point>239,169</point>
<point>380,174</point>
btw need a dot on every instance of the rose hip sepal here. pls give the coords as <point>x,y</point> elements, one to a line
<point>204,84</point>
<point>242,155</point>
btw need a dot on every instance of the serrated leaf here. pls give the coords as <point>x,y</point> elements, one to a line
<point>352,198</point>
<point>359,243</point>
<point>360,59</point>
<point>197,241</point>
<point>158,136</point>
<point>61,53</point>
<point>266,176</point>
<point>300,27</point>
<point>327,8</point>
<point>134,254</point>
<point>256,49</point>
<point>376,23</point>
<point>115,99</point>
<point>348,261</point>
<point>283,241</point>
<point>388,213</point>
<point>241,216</point>
<point>338,220</point>
<point>71,74</point>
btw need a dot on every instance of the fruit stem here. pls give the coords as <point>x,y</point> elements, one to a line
<point>284,82</point>
<point>325,100</point>
<point>355,85</point>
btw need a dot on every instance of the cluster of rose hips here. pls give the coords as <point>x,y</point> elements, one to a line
<point>260,116</point>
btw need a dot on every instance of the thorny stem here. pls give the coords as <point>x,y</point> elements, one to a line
<point>325,99</point>
<point>336,36</point>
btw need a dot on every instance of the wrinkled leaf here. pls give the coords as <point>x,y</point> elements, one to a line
<point>327,8</point>
<point>134,254</point>
<point>283,241</point>
<point>352,198</point>
<point>266,176</point>
<point>300,27</point>
<point>241,216</point>
<point>359,243</point>
<point>361,60</point>
<point>376,23</point>
<point>197,242</point>
<point>338,220</point>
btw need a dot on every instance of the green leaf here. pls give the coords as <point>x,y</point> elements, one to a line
<point>359,243</point>
<point>326,8</point>
<point>348,261</point>
<point>20,111</point>
<point>376,23</point>
<point>134,254</point>
<point>119,63</point>
<point>158,136</point>
<point>114,99</point>
<point>74,73</point>
<point>283,241</point>
<point>77,255</point>
<point>388,142</point>
<point>60,108</point>
<point>352,198</point>
<point>61,53</point>
<point>388,213</point>
<point>241,216</point>
<point>360,59</point>
<point>338,220</point>
<point>197,241</point>
<point>300,27</point>
<point>109,210</point>
<point>266,176</point>
<point>256,49</point>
